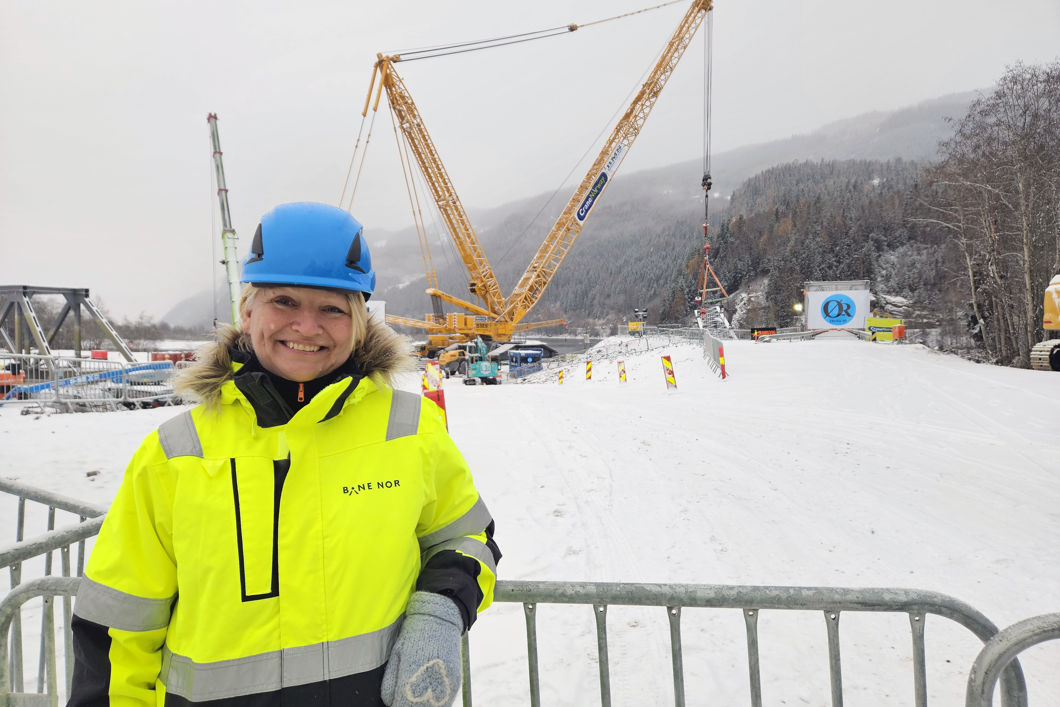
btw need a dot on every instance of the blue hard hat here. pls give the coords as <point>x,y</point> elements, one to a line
<point>313,245</point>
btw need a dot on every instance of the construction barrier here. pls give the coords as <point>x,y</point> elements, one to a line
<point>997,661</point>
<point>668,372</point>
<point>622,371</point>
<point>174,356</point>
<point>432,376</point>
<point>883,328</point>
<point>714,352</point>
<point>438,396</point>
<point>69,384</point>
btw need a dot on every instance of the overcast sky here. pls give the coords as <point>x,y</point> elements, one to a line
<point>106,172</point>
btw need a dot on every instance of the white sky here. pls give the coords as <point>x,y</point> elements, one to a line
<point>106,175</point>
<point>875,466</point>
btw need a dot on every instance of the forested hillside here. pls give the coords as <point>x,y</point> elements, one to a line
<point>848,220</point>
<point>640,236</point>
<point>950,208</point>
<point>968,243</point>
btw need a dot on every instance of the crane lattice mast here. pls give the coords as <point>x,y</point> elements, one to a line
<point>228,234</point>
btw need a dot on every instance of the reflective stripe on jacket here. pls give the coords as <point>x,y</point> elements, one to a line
<point>238,560</point>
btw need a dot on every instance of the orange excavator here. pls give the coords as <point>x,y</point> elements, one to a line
<point>494,316</point>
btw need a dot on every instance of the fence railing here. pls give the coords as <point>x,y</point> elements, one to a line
<point>751,600</point>
<point>87,519</point>
<point>69,384</point>
<point>997,660</point>
<point>1002,649</point>
<point>11,684</point>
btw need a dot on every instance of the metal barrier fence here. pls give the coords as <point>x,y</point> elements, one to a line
<point>69,384</point>
<point>1002,649</point>
<point>41,547</point>
<point>48,692</point>
<point>751,600</point>
<point>996,660</point>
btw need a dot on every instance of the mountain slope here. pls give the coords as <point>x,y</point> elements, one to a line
<point>641,231</point>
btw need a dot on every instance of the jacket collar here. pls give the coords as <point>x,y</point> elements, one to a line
<point>253,386</point>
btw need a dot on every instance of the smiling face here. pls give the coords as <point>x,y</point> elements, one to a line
<point>299,333</point>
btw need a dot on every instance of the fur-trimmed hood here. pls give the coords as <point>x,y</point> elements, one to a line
<point>383,354</point>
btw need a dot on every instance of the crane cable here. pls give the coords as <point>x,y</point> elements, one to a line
<point>414,200</point>
<point>476,45</point>
<point>707,90</point>
<point>461,48</point>
<point>353,157</point>
<point>607,125</point>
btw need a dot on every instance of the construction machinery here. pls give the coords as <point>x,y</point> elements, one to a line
<point>1046,355</point>
<point>228,233</point>
<point>493,315</point>
<point>471,360</point>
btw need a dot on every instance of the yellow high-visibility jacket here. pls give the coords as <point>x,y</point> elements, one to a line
<point>258,563</point>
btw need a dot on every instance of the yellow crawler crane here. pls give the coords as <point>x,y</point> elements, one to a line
<point>495,316</point>
<point>1046,355</point>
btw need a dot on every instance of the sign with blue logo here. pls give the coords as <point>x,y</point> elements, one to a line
<point>601,180</point>
<point>838,309</point>
<point>837,305</point>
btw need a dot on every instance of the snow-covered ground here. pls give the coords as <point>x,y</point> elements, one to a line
<point>827,463</point>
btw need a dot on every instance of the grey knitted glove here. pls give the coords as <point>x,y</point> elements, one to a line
<point>424,666</point>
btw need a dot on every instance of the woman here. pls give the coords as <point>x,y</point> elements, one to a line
<point>306,535</point>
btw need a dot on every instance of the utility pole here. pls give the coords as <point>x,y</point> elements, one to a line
<point>228,234</point>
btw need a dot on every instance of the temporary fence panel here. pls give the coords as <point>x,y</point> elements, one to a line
<point>997,659</point>
<point>1001,650</point>
<point>751,600</point>
<point>714,354</point>
<point>40,548</point>
<point>48,692</point>
<point>70,384</point>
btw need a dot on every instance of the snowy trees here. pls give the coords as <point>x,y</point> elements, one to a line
<point>824,221</point>
<point>997,192</point>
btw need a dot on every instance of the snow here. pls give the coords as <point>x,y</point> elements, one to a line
<point>833,462</point>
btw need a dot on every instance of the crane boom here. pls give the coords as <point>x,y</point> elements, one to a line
<point>228,234</point>
<point>499,316</point>
<point>481,281</point>
<point>558,242</point>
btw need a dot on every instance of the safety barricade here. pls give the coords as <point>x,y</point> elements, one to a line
<point>1001,650</point>
<point>714,354</point>
<point>36,504</point>
<point>751,600</point>
<point>996,661</point>
<point>68,384</point>
<point>998,658</point>
<point>48,691</point>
